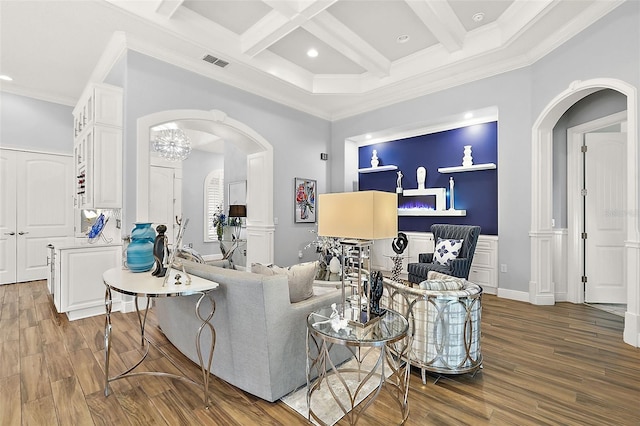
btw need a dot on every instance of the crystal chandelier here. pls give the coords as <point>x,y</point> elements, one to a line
<point>172,144</point>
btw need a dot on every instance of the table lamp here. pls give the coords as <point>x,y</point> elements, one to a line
<point>237,211</point>
<point>358,218</point>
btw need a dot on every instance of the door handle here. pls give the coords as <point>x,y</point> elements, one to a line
<point>22,233</point>
<point>9,233</point>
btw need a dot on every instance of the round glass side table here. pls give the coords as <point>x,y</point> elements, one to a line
<point>378,350</point>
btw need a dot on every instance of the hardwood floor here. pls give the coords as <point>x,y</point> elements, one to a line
<point>563,364</point>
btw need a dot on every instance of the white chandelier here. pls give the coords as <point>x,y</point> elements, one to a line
<point>172,144</point>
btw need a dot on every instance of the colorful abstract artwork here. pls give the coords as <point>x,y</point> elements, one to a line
<point>305,200</point>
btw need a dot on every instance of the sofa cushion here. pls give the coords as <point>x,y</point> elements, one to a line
<point>442,285</point>
<point>300,278</point>
<point>261,268</point>
<point>446,250</point>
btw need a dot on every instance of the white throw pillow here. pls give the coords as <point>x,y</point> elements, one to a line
<point>259,268</point>
<point>446,251</point>
<point>300,278</point>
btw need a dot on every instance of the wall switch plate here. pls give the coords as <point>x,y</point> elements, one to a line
<point>503,267</point>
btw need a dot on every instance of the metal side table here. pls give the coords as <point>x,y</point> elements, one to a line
<point>378,347</point>
<point>143,284</point>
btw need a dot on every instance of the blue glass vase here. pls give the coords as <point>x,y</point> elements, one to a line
<point>140,250</point>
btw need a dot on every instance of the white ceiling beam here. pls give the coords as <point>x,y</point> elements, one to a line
<point>522,15</point>
<point>308,8</point>
<point>167,8</point>
<point>283,19</point>
<point>442,22</point>
<point>337,35</point>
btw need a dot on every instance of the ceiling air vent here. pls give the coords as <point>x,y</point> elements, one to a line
<point>215,61</point>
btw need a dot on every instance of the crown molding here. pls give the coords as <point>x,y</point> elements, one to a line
<point>39,95</point>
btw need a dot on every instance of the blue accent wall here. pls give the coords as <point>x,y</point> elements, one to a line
<point>476,192</point>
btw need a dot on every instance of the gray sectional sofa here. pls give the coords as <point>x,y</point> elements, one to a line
<point>260,335</point>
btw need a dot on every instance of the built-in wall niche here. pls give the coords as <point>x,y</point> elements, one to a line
<point>475,189</point>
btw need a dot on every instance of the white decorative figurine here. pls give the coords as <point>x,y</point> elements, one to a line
<point>467,159</point>
<point>399,182</point>
<point>374,159</point>
<point>421,174</point>
<point>451,203</point>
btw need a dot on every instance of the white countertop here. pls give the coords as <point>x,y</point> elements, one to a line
<point>143,284</point>
<point>84,245</point>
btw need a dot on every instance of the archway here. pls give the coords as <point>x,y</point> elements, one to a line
<point>541,286</point>
<point>260,227</point>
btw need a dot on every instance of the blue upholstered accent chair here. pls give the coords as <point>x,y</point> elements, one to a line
<point>458,267</point>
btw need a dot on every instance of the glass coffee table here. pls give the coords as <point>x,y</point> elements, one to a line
<point>378,351</point>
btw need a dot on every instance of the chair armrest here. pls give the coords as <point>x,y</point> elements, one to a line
<point>425,258</point>
<point>460,267</point>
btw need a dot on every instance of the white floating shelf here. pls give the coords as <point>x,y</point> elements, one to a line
<point>425,212</point>
<point>474,168</point>
<point>378,169</point>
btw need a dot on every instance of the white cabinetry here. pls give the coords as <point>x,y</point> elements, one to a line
<point>484,269</point>
<point>75,280</point>
<point>98,147</point>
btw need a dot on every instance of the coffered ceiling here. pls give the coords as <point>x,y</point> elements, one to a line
<point>370,53</point>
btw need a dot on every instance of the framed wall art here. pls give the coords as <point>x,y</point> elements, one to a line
<point>304,196</point>
<point>237,193</point>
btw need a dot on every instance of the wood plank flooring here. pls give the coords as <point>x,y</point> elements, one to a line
<point>543,365</point>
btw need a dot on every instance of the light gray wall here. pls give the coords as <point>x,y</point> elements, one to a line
<point>297,138</point>
<point>35,125</point>
<point>609,48</point>
<point>194,171</point>
<point>597,105</point>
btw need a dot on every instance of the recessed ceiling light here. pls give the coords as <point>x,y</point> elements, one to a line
<point>403,38</point>
<point>478,17</point>
<point>468,115</point>
<point>368,136</point>
<point>5,77</point>
<point>312,53</point>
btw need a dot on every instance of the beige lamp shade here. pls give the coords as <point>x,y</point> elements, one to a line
<point>364,215</point>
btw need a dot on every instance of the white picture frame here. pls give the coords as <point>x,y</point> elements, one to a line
<point>237,193</point>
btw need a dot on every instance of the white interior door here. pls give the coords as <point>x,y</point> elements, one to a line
<point>8,226</point>
<point>38,188</point>
<point>162,199</point>
<point>605,207</point>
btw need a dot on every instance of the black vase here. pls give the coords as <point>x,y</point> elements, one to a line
<point>159,252</point>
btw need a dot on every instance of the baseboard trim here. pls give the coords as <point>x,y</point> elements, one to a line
<point>521,296</point>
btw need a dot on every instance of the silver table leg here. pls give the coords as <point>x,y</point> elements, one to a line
<point>389,356</point>
<point>206,322</point>
<point>142,319</point>
<point>107,339</point>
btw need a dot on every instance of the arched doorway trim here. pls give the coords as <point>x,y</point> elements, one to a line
<point>260,227</point>
<point>541,286</point>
